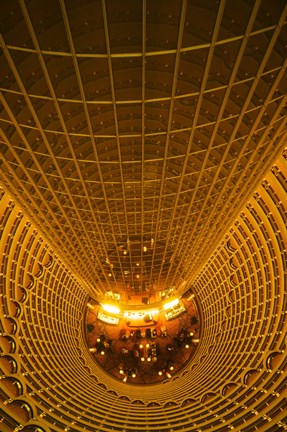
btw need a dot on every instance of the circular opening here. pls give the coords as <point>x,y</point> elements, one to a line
<point>143,346</point>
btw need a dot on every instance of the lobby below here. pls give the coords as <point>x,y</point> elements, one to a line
<point>143,343</point>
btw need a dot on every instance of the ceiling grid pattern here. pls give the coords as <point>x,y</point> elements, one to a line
<point>139,128</point>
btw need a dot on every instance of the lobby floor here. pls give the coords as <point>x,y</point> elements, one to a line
<point>133,355</point>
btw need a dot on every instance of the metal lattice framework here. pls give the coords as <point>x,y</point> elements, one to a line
<point>133,132</point>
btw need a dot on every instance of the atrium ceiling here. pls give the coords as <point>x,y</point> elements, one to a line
<point>133,132</point>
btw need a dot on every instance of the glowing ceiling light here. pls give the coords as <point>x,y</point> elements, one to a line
<point>153,311</point>
<point>170,304</point>
<point>111,308</point>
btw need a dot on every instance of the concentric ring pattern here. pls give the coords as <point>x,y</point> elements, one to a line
<point>237,378</point>
<point>155,128</point>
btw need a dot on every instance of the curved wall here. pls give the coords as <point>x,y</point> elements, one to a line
<point>236,380</point>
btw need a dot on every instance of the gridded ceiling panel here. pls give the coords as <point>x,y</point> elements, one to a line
<point>134,131</point>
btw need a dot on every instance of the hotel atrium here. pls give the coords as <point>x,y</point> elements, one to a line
<point>143,215</point>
